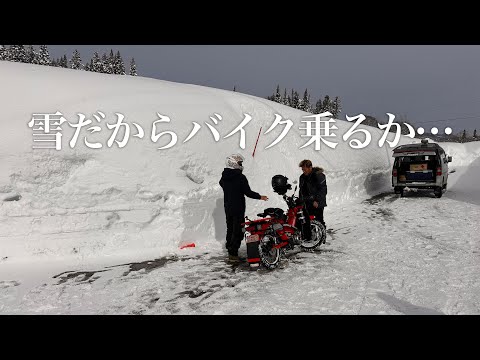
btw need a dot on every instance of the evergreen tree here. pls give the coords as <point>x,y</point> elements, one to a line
<point>109,63</point>
<point>326,104</point>
<point>64,61</point>
<point>30,55</point>
<point>300,104</point>
<point>278,97</point>
<point>295,100</point>
<point>289,101</point>
<point>336,108</point>
<point>119,67</point>
<point>475,134</point>
<point>54,63</point>
<point>96,63</point>
<point>12,53</point>
<point>76,61</point>
<point>105,64</point>
<point>318,106</point>
<point>18,53</point>
<point>464,136</point>
<point>285,98</point>
<point>133,68</point>
<point>87,66</point>
<point>44,56</point>
<point>3,52</point>
<point>234,88</point>
<point>305,106</point>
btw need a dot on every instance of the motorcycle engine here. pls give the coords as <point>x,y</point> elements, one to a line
<point>297,238</point>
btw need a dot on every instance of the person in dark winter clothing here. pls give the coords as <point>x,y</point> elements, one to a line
<point>313,190</point>
<point>235,188</point>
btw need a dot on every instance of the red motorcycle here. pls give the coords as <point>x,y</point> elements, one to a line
<point>267,238</point>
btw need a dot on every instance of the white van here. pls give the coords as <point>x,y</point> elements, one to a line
<point>422,166</point>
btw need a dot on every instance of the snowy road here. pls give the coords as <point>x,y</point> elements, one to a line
<point>386,255</point>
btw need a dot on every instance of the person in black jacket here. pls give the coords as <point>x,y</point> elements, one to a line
<point>313,190</point>
<point>235,187</point>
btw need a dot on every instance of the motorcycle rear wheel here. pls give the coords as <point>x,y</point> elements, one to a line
<point>269,255</point>
<point>318,234</point>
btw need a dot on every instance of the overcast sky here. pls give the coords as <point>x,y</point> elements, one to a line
<point>430,85</point>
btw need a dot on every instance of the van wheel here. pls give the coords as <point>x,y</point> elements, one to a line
<point>438,192</point>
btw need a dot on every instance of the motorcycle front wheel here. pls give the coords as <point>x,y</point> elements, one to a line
<point>269,255</point>
<point>318,236</point>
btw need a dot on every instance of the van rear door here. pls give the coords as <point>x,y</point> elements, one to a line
<point>419,166</point>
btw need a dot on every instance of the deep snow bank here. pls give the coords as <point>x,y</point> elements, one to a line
<point>137,199</point>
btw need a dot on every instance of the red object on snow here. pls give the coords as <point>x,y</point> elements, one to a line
<point>253,154</point>
<point>188,245</point>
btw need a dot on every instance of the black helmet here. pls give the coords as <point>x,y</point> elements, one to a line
<point>280,184</point>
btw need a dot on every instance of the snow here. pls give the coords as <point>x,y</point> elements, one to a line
<point>112,220</point>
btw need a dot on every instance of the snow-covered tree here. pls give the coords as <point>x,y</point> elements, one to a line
<point>305,103</point>
<point>64,61</point>
<point>18,53</point>
<point>336,108</point>
<point>278,97</point>
<point>463,138</point>
<point>76,61</point>
<point>475,134</point>
<point>295,100</point>
<point>86,67</point>
<point>108,63</point>
<point>326,104</point>
<point>3,52</point>
<point>105,65</point>
<point>300,104</point>
<point>28,52</point>
<point>96,63</point>
<point>44,56</point>
<point>133,68</point>
<point>285,98</point>
<point>119,66</point>
<point>34,56</point>
<point>318,106</point>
